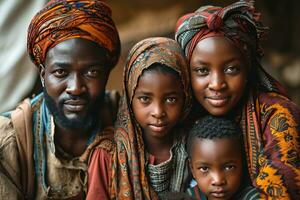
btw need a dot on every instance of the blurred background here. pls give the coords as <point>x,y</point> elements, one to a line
<point>139,19</point>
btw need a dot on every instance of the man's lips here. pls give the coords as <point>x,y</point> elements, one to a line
<point>217,101</point>
<point>75,105</point>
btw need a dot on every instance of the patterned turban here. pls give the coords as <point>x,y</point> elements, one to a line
<point>61,20</point>
<point>238,22</point>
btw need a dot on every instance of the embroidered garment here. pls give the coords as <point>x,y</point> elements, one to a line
<point>61,20</point>
<point>270,121</point>
<point>56,174</point>
<point>168,175</point>
<point>129,170</point>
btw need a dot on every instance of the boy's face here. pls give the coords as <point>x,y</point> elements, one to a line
<point>217,166</point>
<point>157,103</point>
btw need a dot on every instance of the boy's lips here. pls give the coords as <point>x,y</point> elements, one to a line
<point>219,193</point>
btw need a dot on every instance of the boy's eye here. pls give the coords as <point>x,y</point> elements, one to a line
<point>171,99</point>
<point>60,73</point>
<point>144,99</point>
<point>203,169</point>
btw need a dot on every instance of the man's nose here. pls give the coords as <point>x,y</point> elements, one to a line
<point>75,85</point>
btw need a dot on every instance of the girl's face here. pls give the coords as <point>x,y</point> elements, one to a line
<point>218,74</point>
<point>157,103</point>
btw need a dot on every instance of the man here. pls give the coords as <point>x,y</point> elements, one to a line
<point>45,144</point>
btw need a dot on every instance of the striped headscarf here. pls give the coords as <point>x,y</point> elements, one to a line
<point>61,20</point>
<point>128,171</point>
<point>239,22</point>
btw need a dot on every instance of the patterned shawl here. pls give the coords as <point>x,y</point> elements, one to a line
<point>263,131</point>
<point>129,172</point>
<point>61,20</point>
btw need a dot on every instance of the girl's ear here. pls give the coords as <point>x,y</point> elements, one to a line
<point>42,73</point>
<point>191,166</point>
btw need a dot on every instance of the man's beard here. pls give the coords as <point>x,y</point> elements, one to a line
<point>89,121</point>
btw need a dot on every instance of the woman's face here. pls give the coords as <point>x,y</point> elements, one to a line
<point>218,74</point>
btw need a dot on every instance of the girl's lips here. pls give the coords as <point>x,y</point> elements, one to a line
<point>158,127</point>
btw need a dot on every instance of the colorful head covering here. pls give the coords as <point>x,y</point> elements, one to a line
<point>128,171</point>
<point>239,22</point>
<point>61,20</point>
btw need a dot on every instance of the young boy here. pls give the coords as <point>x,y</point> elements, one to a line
<point>216,159</point>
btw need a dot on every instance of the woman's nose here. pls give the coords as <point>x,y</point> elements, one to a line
<point>217,82</point>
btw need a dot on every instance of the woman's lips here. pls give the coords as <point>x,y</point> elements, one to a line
<point>217,101</point>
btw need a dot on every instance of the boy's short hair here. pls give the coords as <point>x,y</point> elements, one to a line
<point>213,127</point>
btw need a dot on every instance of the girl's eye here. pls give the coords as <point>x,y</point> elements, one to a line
<point>203,169</point>
<point>229,167</point>
<point>232,70</point>
<point>93,73</point>
<point>60,73</point>
<point>171,100</point>
<point>144,99</point>
<point>202,71</point>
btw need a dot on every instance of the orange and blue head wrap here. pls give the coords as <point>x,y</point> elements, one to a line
<point>61,20</point>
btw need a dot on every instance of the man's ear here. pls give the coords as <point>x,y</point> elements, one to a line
<point>42,73</point>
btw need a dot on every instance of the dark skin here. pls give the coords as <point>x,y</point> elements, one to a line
<point>157,105</point>
<point>75,75</point>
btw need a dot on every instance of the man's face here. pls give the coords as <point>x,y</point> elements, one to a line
<point>75,76</point>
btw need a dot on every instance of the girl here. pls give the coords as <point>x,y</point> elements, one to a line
<point>150,158</point>
<point>223,49</point>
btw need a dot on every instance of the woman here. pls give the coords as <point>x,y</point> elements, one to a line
<point>222,46</point>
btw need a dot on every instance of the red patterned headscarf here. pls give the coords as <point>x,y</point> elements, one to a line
<point>61,20</point>
<point>239,22</point>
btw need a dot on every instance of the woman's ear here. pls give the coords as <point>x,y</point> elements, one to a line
<point>42,73</point>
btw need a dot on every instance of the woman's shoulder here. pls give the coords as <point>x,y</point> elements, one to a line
<point>275,107</point>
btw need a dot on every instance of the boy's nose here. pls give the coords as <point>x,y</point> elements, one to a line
<point>218,179</point>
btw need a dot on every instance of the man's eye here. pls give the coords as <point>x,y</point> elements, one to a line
<point>144,99</point>
<point>93,73</point>
<point>60,73</point>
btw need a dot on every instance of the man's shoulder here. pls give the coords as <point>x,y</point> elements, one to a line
<point>7,131</point>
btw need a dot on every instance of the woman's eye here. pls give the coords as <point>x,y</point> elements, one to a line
<point>144,99</point>
<point>229,167</point>
<point>232,70</point>
<point>60,73</point>
<point>171,100</point>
